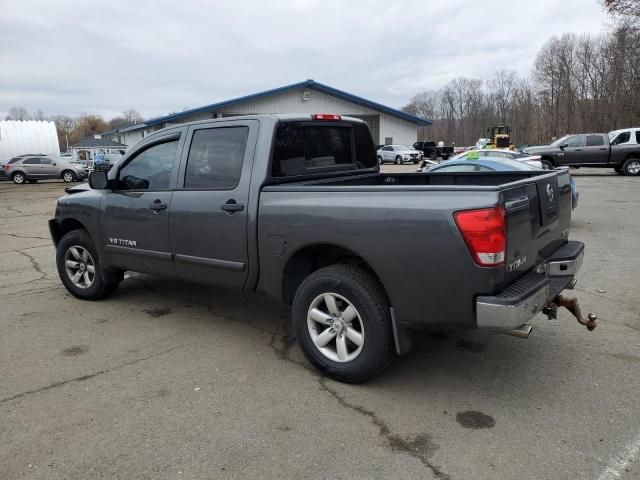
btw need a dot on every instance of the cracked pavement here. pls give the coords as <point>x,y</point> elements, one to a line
<point>171,380</point>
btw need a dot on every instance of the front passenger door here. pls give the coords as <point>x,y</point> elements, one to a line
<point>135,226</point>
<point>574,151</point>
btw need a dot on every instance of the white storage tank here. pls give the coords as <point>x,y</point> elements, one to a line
<point>19,137</point>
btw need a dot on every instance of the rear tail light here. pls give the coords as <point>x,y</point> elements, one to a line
<point>485,233</point>
<point>326,116</point>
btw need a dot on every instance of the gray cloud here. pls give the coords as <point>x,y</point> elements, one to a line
<point>69,57</point>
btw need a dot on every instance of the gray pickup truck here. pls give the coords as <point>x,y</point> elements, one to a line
<point>295,206</point>
<point>619,150</point>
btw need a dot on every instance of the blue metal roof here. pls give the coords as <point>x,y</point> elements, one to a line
<point>312,84</point>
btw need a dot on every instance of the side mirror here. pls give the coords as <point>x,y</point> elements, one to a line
<point>98,180</point>
<point>53,164</point>
<point>563,146</point>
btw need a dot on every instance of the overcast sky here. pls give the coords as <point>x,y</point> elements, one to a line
<point>67,57</point>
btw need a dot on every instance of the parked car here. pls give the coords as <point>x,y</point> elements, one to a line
<point>619,150</point>
<point>533,160</point>
<point>296,207</point>
<point>33,168</point>
<point>488,163</point>
<point>398,154</point>
<point>433,151</point>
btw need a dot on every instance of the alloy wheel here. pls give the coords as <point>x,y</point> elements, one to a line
<point>335,327</point>
<point>80,267</point>
<point>633,167</point>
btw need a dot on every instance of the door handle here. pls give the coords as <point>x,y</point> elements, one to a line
<point>232,206</point>
<point>578,150</point>
<point>158,205</point>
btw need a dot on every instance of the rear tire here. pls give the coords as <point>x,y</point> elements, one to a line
<point>398,160</point>
<point>68,176</point>
<point>360,305</point>
<point>547,165</point>
<point>18,178</point>
<point>379,160</point>
<point>80,269</point>
<point>631,167</point>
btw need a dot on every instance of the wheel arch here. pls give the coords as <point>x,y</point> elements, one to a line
<point>60,228</point>
<point>75,175</point>
<point>310,258</point>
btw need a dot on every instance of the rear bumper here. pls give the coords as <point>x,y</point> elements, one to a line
<point>521,300</point>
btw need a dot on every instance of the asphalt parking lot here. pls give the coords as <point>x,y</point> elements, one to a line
<point>172,380</point>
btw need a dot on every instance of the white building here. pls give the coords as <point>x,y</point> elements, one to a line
<point>19,137</point>
<point>387,124</point>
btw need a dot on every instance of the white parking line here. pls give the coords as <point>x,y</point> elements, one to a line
<point>619,462</point>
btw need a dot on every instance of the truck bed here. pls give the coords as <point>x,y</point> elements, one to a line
<point>403,226</point>
<point>471,179</point>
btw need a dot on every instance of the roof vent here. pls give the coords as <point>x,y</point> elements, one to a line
<point>306,95</point>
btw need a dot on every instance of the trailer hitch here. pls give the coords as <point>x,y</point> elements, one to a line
<point>571,304</point>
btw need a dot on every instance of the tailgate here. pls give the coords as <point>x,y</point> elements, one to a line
<point>538,217</point>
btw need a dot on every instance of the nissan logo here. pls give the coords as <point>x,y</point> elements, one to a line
<point>550,193</point>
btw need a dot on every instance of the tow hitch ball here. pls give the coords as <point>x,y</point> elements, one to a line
<point>571,304</point>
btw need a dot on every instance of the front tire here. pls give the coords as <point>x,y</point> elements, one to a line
<point>80,269</point>
<point>18,178</point>
<point>631,167</point>
<point>341,317</point>
<point>68,176</point>
<point>398,160</point>
<point>379,160</point>
<point>547,165</point>
<point>433,156</point>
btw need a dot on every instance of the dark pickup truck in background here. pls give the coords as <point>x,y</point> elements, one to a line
<point>295,206</point>
<point>432,151</point>
<point>619,150</point>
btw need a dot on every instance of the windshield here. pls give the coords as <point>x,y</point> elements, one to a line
<point>403,147</point>
<point>560,141</point>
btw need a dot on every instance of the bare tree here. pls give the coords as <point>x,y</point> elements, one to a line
<point>132,117</point>
<point>18,113</point>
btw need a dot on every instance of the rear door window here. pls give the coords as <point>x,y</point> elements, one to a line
<point>215,158</point>
<point>594,140</point>
<point>637,136</point>
<point>32,161</point>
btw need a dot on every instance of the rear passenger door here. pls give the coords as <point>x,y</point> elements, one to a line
<point>596,150</point>
<point>209,209</point>
<point>32,167</point>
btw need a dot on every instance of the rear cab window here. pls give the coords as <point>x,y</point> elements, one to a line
<point>311,148</point>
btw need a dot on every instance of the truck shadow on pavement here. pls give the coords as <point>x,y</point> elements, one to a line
<point>468,362</point>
